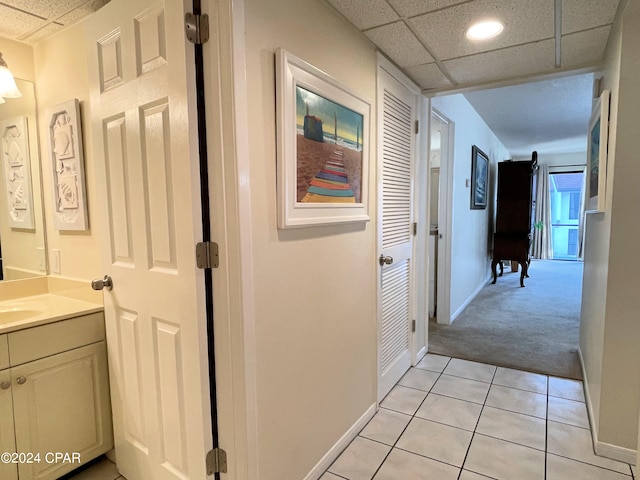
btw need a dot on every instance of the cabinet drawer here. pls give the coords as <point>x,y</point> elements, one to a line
<point>45,340</point>
<point>4,352</point>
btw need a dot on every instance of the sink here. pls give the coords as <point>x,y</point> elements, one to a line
<point>9,315</point>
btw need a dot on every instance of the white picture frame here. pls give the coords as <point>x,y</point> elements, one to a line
<point>16,160</point>
<point>323,151</point>
<point>597,142</point>
<point>67,161</point>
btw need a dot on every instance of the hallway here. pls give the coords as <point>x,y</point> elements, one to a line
<point>452,419</point>
<point>535,328</point>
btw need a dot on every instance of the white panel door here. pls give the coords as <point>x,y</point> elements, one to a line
<point>148,186</point>
<point>396,121</point>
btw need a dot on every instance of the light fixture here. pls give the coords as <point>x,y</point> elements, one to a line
<point>484,30</point>
<point>8,87</point>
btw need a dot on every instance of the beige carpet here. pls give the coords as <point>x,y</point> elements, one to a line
<point>535,328</point>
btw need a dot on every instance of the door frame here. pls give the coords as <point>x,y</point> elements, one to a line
<point>389,68</point>
<point>230,200</point>
<point>445,205</point>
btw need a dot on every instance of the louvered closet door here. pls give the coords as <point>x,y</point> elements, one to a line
<point>395,237</point>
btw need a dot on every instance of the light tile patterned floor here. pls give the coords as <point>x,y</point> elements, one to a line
<point>451,419</point>
<point>100,469</point>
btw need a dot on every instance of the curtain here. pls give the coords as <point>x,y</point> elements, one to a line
<point>542,247</point>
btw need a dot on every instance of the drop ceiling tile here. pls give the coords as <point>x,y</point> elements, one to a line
<point>45,8</point>
<point>512,62</point>
<point>81,12</point>
<point>397,41</point>
<point>428,76</point>
<point>584,47</point>
<point>524,21</point>
<point>366,13</point>
<point>584,14</point>
<point>410,8</point>
<point>14,23</point>
<point>43,33</point>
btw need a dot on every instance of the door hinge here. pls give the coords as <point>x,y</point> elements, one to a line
<point>216,461</point>
<point>197,28</point>
<point>415,228</point>
<point>417,126</point>
<point>413,325</point>
<point>207,255</point>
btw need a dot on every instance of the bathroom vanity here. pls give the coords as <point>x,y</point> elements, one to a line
<point>55,412</point>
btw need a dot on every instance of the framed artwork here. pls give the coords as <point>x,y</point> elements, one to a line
<point>323,147</point>
<point>67,159</point>
<point>479,178</point>
<point>597,155</point>
<point>16,160</point>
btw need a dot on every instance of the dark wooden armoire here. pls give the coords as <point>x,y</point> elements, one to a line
<point>514,226</point>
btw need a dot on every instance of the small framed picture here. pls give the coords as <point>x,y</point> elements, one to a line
<point>479,178</point>
<point>597,155</point>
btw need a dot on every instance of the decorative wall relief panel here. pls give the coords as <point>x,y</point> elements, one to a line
<point>16,161</point>
<point>110,60</point>
<point>65,134</point>
<point>151,51</point>
<point>118,197</point>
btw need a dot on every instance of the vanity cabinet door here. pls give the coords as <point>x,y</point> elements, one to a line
<point>8,471</point>
<point>61,405</point>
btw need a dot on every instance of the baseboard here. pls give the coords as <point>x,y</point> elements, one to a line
<point>421,353</point>
<point>614,452</point>
<point>602,449</point>
<point>469,299</point>
<point>343,443</point>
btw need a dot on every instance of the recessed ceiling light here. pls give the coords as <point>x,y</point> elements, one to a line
<point>484,29</point>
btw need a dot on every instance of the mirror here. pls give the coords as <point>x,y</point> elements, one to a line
<point>22,237</point>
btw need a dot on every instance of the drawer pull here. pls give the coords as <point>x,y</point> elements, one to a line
<point>21,380</point>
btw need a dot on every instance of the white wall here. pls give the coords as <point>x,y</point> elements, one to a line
<point>610,329</point>
<point>315,288</point>
<point>472,230</point>
<point>60,75</point>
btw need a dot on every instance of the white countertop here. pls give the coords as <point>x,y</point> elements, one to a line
<point>26,312</point>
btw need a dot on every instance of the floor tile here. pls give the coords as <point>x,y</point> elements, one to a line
<point>560,468</point>
<point>330,476</point>
<point>504,460</point>
<point>566,388</point>
<point>467,475</point>
<point>360,460</point>
<point>568,411</point>
<point>403,399</point>
<point>471,370</point>
<point>450,411</point>
<point>405,465</point>
<point>513,427</point>
<point>462,388</point>
<point>532,382</point>
<point>434,440</point>
<point>435,363</point>
<point>101,470</point>
<point>576,443</point>
<point>420,379</point>
<point>386,426</point>
<point>518,401</point>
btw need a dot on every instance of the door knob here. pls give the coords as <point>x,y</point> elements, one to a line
<point>21,380</point>
<point>99,284</point>
<point>5,385</point>
<point>385,260</point>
